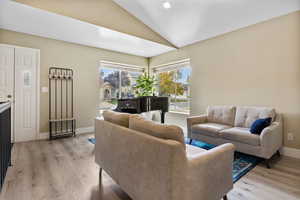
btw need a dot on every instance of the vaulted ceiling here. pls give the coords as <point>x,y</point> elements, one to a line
<point>184,22</point>
<point>139,27</point>
<point>104,13</point>
<point>26,19</point>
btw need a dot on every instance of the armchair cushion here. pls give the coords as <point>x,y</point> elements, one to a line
<point>192,151</point>
<point>242,135</point>
<point>209,129</point>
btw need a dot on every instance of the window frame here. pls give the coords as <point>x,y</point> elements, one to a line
<point>175,66</point>
<point>120,67</point>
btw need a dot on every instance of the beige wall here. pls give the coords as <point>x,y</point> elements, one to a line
<point>104,13</point>
<point>257,65</point>
<point>84,60</point>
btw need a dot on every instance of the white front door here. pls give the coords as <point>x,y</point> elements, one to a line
<point>7,79</point>
<point>26,90</point>
<point>6,73</point>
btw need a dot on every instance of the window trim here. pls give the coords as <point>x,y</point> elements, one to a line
<point>171,66</point>
<point>121,66</point>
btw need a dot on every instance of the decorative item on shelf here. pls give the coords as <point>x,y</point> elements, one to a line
<point>145,85</point>
<point>61,115</point>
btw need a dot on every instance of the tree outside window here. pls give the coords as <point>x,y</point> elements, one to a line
<point>176,85</point>
<point>114,84</point>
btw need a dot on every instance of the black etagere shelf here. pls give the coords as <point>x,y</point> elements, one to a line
<point>61,104</point>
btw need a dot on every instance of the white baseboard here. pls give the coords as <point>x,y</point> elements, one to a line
<point>90,129</point>
<point>291,152</point>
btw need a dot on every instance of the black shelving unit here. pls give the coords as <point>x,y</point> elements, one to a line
<point>61,112</point>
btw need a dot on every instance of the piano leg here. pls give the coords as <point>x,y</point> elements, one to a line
<point>162,117</point>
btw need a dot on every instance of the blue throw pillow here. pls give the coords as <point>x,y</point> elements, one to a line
<point>258,125</point>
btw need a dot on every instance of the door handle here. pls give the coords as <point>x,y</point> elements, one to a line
<point>9,96</point>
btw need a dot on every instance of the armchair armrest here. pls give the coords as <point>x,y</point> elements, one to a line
<point>209,174</point>
<point>271,138</point>
<point>195,120</point>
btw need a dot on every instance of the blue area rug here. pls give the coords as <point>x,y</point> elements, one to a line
<point>242,163</point>
<point>92,140</point>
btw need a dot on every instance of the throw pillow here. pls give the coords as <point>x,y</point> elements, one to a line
<point>258,125</point>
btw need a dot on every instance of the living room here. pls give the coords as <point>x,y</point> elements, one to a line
<point>212,88</point>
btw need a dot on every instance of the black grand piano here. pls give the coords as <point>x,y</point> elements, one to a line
<point>144,104</point>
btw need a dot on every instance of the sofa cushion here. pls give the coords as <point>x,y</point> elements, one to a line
<point>164,131</point>
<point>221,114</point>
<point>209,129</point>
<point>242,135</point>
<point>121,119</point>
<point>246,115</point>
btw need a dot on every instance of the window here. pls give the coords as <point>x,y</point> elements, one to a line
<point>116,81</point>
<point>174,82</point>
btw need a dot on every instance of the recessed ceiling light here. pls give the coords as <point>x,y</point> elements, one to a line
<point>166,5</point>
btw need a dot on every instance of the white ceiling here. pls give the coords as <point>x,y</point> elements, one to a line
<point>22,18</point>
<point>190,21</point>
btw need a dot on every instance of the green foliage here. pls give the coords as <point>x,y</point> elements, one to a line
<point>168,86</point>
<point>114,79</point>
<point>145,85</point>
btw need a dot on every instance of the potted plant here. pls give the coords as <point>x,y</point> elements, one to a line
<point>145,85</point>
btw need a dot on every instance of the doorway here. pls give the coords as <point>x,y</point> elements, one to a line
<point>19,84</point>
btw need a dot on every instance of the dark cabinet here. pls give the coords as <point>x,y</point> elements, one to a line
<point>5,143</point>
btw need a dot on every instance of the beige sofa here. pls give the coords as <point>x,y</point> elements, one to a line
<point>231,124</point>
<point>151,161</point>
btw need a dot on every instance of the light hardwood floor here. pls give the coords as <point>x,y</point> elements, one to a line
<point>65,170</point>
